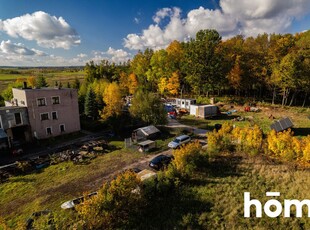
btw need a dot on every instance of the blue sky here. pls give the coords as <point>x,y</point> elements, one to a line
<point>70,32</point>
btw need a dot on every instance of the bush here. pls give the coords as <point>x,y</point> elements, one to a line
<point>116,205</point>
<point>248,139</point>
<point>186,158</point>
<point>284,145</point>
<point>306,149</point>
<point>221,140</point>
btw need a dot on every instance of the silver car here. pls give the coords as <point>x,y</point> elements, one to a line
<point>178,141</point>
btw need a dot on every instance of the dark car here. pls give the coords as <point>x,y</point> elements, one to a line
<point>160,161</point>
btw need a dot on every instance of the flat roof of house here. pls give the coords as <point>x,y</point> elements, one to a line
<point>203,105</point>
<point>11,107</point>
<point>191,99</point>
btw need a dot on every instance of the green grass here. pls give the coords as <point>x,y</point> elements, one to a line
<point>298,115</point>
<point>223,183</point>
<point>52,76</point>
<point>49,188</point>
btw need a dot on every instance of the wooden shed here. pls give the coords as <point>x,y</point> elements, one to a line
<point>144,133</point>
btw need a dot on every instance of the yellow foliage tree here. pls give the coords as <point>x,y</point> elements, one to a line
<point>31,81</point>
<point>162,85</point>
<point>221,140</point>
<point>186,158</point>
<point>284,145</point>
<point>21,80</point>
<point>306,149</point>
<point>114,206</point>
<point>132,83</point>
<point>129,84</point>
<point>113,99</point>
<point>123,82</point>
<point>173,84</point>
<point>248,139</point>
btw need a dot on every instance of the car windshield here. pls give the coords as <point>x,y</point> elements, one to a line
<point>176,140</point>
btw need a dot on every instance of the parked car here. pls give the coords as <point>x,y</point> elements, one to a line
<point>160,161</point>
<point>178,141</point>
<point>71,203</point>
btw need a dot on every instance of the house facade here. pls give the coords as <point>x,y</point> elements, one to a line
<point>15,123</point>
<point>51,111</point>
<point>184,103</point>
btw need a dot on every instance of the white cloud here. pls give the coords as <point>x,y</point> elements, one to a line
<point>81,55</point>
<point>113,55</point>
<point>48,31</point>
<point>234,17</point>
<point>119,55</point>
<point>162,13</point>
<point>9,48</point>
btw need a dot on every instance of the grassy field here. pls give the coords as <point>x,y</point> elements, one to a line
<point>52,75</point>
<point>210,199</point>
<point>48,189</point>
<point>222,184</point>
<point>298,115</point>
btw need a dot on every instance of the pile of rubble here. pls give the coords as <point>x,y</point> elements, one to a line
<point>79,154</point>
<point>82,154</point>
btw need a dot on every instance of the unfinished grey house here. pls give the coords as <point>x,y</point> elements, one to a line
<point>14,121</point>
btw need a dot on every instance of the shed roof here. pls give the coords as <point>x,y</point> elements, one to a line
<point>148,130</point>
<point>282,124</point>
<point>147,142</point>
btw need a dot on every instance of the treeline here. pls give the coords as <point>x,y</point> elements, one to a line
<point>283,146</point>
<point>271,67</point>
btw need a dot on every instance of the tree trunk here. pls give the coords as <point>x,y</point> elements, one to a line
<point>283,97</point>
<point>293,98</point>
<point>305,99</point>
<point>286,95</point>
<point>273,95</point>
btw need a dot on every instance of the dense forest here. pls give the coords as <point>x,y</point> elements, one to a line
<point>273,68</point>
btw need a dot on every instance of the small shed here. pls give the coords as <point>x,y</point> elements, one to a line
<point>184,103</point>
<point>204,111</point>
<point>146,146</point>
<point>144,133</point>
<point>282,124</point>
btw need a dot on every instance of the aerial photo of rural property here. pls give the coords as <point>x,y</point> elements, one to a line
<point>155,115</point>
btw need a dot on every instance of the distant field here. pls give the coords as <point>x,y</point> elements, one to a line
<point>52,76</point>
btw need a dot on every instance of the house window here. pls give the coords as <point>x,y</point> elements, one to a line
<point>62,128</point>
<point>54,115</point>
<point>18,118</point>
<point>186,103</point>
<point>22,102</point>
<point>55,100</point>
<point>49,131</point>
<point>182,102</point>
<point>44,116</point>
<point>41,102</point>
